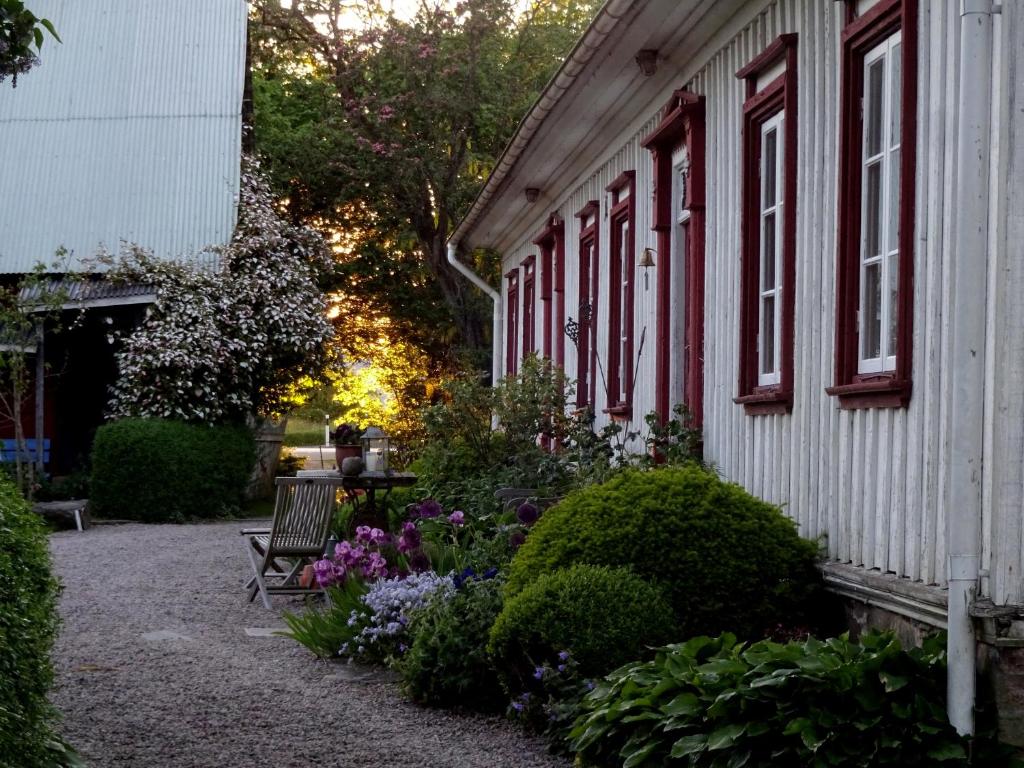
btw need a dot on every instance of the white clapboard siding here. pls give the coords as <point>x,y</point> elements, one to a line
<point>871,483</point>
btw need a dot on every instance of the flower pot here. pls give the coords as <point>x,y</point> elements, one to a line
<point>342,452</point>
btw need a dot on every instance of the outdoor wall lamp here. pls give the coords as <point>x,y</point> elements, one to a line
<point>647,60</point>
<point>532,193</point>
<point>646,262</point>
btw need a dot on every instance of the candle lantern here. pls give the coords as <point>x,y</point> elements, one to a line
<point>376,450</point>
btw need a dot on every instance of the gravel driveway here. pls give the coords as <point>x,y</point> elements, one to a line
<point>155,668</point>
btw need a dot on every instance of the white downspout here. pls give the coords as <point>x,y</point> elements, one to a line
<point>495,298</point>
<point>964,510</point>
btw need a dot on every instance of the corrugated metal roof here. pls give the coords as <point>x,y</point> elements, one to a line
<point>88,292</point>
<point>128,131</point>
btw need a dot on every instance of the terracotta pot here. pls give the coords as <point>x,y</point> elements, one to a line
<point>342,452</point>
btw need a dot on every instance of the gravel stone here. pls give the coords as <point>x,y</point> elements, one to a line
<point>155,668</point>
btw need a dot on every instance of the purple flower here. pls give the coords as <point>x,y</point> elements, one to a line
<point>490,573</point>
<point>517,539</point>
<point>429,508</point>
<point>561,667</point>
<point>538,673</point>
<point>379,537</point>
<point>457,518</point>
<point>527,513</point>
<point>563,655</point>
<point>376,566</point>
<point>363,534</point>
<point>419,562</point>
<point>410,538</point>
<point>517,706</point>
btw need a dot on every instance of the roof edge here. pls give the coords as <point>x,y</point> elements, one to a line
<point>582,53</point>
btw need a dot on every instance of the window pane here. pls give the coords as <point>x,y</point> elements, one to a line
<point>875,86</point>
<point>768,163</point>
<point>894,286</point>
<point>768,253</point>
<point>768,334</point>
<point>871,312</point>
<point>894,200</point>
<point>895,93</point>
<point>872,211</point>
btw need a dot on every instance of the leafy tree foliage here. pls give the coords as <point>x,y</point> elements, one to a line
<point>21,38</point>
<point>383,131</point>
<point>221,344</point>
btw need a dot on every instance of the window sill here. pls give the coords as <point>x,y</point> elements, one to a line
<point>872,392</point>
<point>766,401</point>
<point>621,412</point>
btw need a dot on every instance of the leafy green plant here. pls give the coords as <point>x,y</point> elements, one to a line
<point>155,470</point>
<point>728,561</point>
<point>28,626</point>
<point>325,629</point>
<point>447,664</point>
<point>602,616</point>
<point>717,703</point>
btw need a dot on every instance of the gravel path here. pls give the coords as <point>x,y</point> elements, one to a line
<point>155,668</point>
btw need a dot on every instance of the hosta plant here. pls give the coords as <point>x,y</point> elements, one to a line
<point>718,703</point>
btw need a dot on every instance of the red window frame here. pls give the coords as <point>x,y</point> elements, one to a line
<point>682,124</point>
<point>529,305</point>
<point>551,242</point>
<point>588,284</point>
<point>860,35</point>
<point>761,105</point>
<point>512,323</point>
<point>621,319</point>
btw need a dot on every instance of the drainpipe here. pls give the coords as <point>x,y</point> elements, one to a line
<point>964,511</point>
<point>495,298</point>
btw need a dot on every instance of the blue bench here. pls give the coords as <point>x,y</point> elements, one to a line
<point>9,450</point>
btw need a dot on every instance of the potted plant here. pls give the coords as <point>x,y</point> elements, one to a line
<point>346,439</point>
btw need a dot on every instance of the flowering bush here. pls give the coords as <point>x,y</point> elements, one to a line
<point>447,663</point>
<point>365,558</point>
<point>553,701</point>
<point>387,606</point>
<point>220,344</point>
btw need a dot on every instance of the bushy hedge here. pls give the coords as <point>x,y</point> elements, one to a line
<point>28,625</point>
<point>602,616</point>
<point>166,471</point>
<point>729,561</point>
<point>714,703</point>
<point>447,664</point>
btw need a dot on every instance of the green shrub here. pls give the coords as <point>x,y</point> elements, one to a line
<point>447,664</point>
<point>28,625</point>
<point>729,561</point>
<point>601,616</point>
<point>716,703</point>
<point>158,471</point>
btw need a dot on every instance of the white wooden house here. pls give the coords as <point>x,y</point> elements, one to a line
<point>127,131</point>
<point>831,193</point>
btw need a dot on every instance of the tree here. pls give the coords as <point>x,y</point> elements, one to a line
<point>382,134</point>
<point>221,345</point>
<point>21,38</point>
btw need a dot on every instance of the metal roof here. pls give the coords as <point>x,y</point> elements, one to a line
<point>128,131</point>
<point>88,292</point>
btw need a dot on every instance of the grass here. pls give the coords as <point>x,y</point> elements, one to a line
<point>300,432</point>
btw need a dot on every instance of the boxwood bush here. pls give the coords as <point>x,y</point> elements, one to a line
<point>729,561</point>
<point>156,470</point>
<point>447,664</point>
<point>28,625</point>
<point>601,616</point>
<point>716,703</point>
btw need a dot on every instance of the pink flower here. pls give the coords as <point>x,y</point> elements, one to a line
<point>386,112</point>
<point>376,566</point>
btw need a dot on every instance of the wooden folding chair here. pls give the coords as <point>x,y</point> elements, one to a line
<point>302,517</point>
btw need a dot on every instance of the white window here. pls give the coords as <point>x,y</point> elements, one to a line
<point>880,207</point>
<point>625,321</point>
<point>769,334</point>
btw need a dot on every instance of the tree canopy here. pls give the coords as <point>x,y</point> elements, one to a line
<point>380,133</point>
